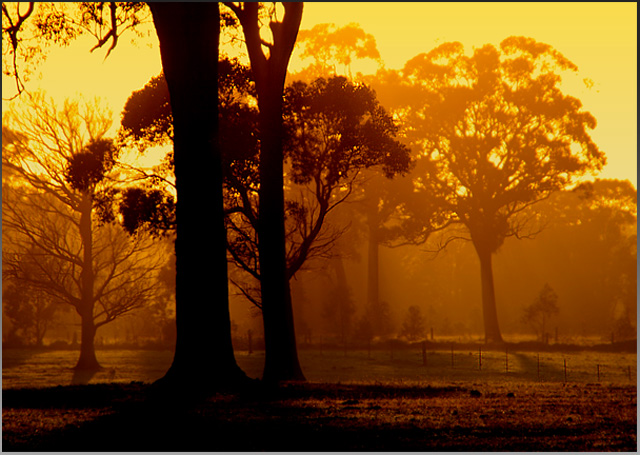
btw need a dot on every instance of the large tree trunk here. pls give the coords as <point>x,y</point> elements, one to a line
<point>87,360</point>
<point>281,353</point>
<point>489,310</point>
<point>189,40</point>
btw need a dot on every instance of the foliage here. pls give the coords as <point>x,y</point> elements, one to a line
<point>335,129</point>
<point>496,134</point>
<point>89,167</point>
<point>329,46</point>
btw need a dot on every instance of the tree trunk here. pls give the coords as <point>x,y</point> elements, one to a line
<point>281,353</point>
<point>373,274</point>
<point>373,266</point>
<point>344,309</point>
<point>189,38</point>
<point>87,360</point>
<point>489,310</point>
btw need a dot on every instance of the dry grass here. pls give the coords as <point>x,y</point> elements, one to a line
<point>470,416</point>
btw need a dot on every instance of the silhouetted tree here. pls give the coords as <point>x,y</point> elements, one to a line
<point>495,135</point>
<point>413,324</point>
<point>336,130</point>
<point>58,165</point>
<point>269,72</point>
<point>189,41</point>
<point>544,307</point>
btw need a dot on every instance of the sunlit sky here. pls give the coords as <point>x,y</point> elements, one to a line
<point>600,38</point>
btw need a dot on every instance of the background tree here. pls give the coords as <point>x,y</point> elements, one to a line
<point>544,307</point>
<point>338,306</point>
<point>413,324</point>
<point>591,233</point>
<point>31,314</point>
<point>59,163</point>
<point>329,47</point>
<point>495,135</point>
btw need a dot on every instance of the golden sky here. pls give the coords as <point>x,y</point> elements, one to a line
<point>600,38</point>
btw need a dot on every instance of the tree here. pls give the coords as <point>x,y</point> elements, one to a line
<point>269,71</point>
<point>330,46</point>
<point>58,162</point>
<point>495,135</point>
<point>338,307</point>
<point>413,324</point>
<point>541,310</point>
<point>377,196</point>
<point>189,55</point>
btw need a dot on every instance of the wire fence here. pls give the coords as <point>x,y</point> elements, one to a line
<point>471,365</point>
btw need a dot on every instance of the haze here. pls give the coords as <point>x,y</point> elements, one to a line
<point>442,195</point>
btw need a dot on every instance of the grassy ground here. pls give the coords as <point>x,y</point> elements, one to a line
<point>326,417</point>
<point>354,401</point>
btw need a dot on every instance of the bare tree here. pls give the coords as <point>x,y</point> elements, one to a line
<point>58,167</point>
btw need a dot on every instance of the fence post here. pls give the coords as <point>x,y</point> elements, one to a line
<point>424,353</point>
<point>598,369</point>
<point>506,359</point>
<point>480,358</point>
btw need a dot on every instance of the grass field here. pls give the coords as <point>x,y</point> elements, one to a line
<point>353,401</point>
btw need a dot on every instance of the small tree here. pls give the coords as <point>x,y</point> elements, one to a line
<point>541,310</point>
<point>413,325</point>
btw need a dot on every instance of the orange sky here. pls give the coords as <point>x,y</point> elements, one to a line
<point>600,38</point>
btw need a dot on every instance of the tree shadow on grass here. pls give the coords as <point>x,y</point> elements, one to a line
<point>292,417</point>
